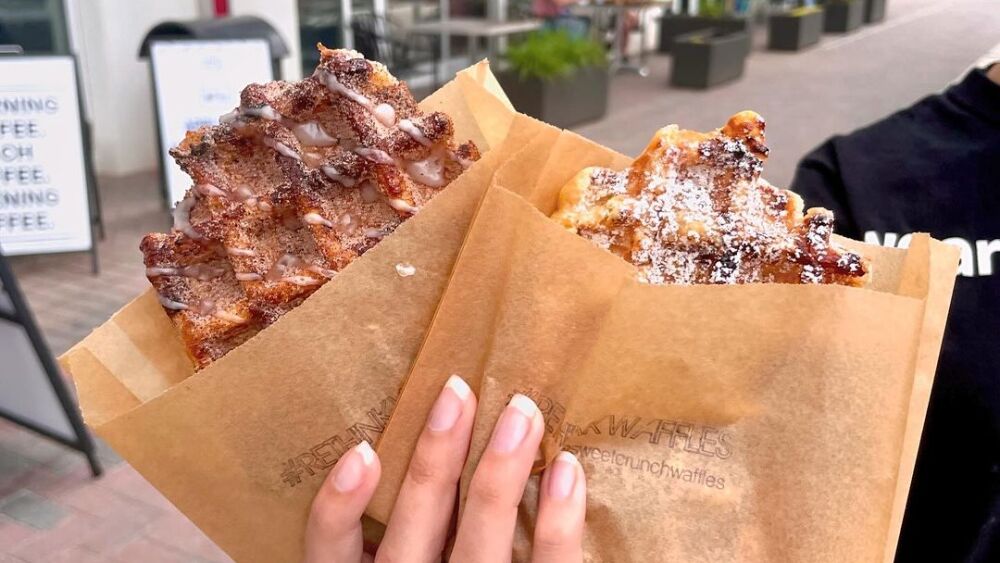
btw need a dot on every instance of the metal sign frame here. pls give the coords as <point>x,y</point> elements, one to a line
<point>22,316</point>
<point>94,210</point>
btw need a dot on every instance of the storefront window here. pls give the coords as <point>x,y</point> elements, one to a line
<point>409,36</point>
<point>37,26</point>
<point>375,24</point>
<point>320,21</point>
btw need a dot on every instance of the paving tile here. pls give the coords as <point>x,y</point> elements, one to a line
<point>71,532</point>
<point>32,509</point>
<point>82,532</point>
<point>149,551</point>
<point>108,457</point>
<point>107,535</point>
<point>53,457</point>
<point>106,503</point>
<point>13,464</point>
<point>78,555</point>
<point>66,462</point>
<point>37,448</point>
<point>99,520</point>
<point>175,530</point>
<point>46,482</point>
<point>127,481</point>
<point>7,428</point>
<point>13,435</point>
<point>13,533</point>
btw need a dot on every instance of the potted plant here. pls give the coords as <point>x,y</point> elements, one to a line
<point>711,14</point>
<point>795,30</point>
<point>874,11</point>
<point>557,78</point>
<point>842,16</point>
<point>708,57</point>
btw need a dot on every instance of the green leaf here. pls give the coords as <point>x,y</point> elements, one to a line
<point>712,8</point>
<point>551,54</point>
<point>804,11</point>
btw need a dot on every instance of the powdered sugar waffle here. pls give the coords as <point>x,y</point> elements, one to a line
<point>692,208</point>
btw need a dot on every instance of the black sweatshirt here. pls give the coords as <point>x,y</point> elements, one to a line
<point>935,167</point>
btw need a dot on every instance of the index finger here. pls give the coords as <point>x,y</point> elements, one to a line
<point>419,523</point>
<point>486,532</point>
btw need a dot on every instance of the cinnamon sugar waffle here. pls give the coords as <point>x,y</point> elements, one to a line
<point>694,209</point>
<point>289,188</point>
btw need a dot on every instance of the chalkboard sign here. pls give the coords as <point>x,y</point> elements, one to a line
<point>44,205</point>
<point>194,83</point>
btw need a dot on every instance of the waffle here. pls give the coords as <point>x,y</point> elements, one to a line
<point>289,188</point>
<point>198,288</point>
<point>693,209</point>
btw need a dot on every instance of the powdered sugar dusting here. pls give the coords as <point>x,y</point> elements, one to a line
<point>694,209</point>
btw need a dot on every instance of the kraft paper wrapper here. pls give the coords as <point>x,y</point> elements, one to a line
<point>242,446</point>
<point>762,422</point>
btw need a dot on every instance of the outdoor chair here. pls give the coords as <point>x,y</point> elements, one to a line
<point>378,39</point>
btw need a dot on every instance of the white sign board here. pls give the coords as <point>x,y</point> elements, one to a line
<point>25,390</point>
<point>43,184</point>
<point>196,82</point>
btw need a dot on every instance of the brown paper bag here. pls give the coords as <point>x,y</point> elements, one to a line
<point>715,423</point>
<point>242,446</point>
<point>468,313</point>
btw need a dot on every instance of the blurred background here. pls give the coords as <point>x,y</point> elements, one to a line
<point>93,91</point>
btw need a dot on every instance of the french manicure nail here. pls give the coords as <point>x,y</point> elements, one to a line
<point>448,407</point>
<point>563,476</point>
<point>351,469</point>
<point>515,422</point>
<point>366,451</point>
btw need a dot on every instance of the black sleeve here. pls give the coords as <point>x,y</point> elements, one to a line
<point>820,183</point>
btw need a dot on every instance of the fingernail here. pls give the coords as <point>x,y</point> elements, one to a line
<point>514,424</point>
<point>351,469</point>
<point>563,475</point>
<point>448,407</point>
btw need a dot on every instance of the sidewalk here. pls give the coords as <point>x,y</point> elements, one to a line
<point>51,511</point>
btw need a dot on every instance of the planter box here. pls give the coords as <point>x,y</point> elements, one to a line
<point>672,26</point>
<point>874,11</point>
<point>563,102</point>
<point>787,32</point>
<point>706,58</point>
<point>843,16</point>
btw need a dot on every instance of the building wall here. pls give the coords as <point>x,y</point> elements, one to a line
<point>106,35</point>
<point>283,15</point>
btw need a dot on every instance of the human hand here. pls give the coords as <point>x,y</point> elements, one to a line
<point>418,527</point>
